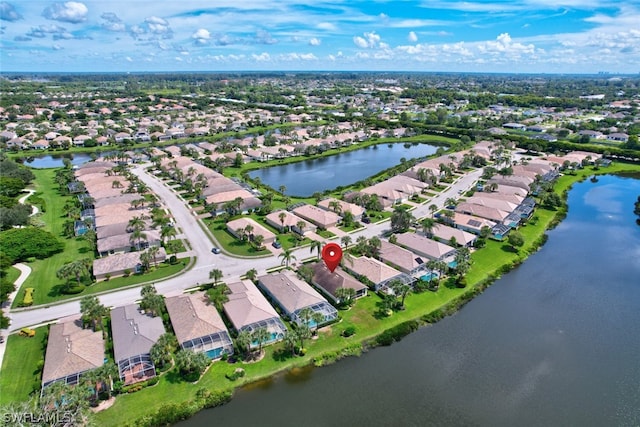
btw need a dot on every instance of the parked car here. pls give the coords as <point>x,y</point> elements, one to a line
<point>276,245</point>
<point>215,250</point>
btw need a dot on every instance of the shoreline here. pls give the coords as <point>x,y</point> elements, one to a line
<point>371,339</point>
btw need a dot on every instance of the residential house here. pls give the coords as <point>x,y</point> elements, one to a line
<point>237,227</point>
<point>402,259</point>
<point>71,352</point>
<point>356,211</point>
<point>375,273</point>
<point>293,295</point>
<point>288,221</point>
<point>329,282</point>
<point>426,247</point>
<point>445,233</point>
<point>134,333</point>
<point>121,264</point>
<point>198,325</point>
<point>248,310</point>
<point>320,217</point>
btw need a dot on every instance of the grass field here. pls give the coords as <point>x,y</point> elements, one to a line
<point>12,274</point>
<point>22,365</point>
<point>43,275</point>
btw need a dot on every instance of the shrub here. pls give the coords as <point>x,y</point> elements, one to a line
<point>237,373</point>
<point>73,290</point>
<point>127,272</point>
<point>107,277</point>
<point>397,332</point>
<point>28,297</point>
<point>173,259</point>
<point>349,331</point>
<point>19,244</point>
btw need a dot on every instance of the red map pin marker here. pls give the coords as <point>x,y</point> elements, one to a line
<point>331,255</point>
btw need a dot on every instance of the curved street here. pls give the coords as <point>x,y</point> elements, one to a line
<point>205,261</point>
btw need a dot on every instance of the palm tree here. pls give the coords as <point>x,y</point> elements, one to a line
<point>427,226</point>
<point>163,349</point>
<point>136,223</point>
<point>317,318</point>
<point>335,206</point>
<point>167,232</point>
<point>300,226</point>
<point>77,269</point>
<point>345,295</point>
<point>316,246</point>
<point>282,189</point>
<point>261,336</point>
<point>258,241</point>
<point>92,310</point>
<point>151,300</point>
<point>243,342</point>
<point>346,241</point>
<point>216,275</point>
<point>400,290</point>
<point>153,252</point>
<point>305,315</point>
<point>287,256</point>
<point>281,217</point>
<point>136,237</point>
<point>373,246</point>
<point>219,295</point>
<point>252,274</point>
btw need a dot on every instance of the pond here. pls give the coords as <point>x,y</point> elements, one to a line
<point>554,342</point>
<point>56,160</point>
<point>326,173</point>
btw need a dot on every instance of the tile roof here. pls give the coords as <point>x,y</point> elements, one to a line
<point>290,292</point>
<point>247,305</point>
<point>134,333</point>
<point>424,246</point>
<point>372,269</point>
<point>331,282</point>
<point>192,316</point>
<point>71,350</point>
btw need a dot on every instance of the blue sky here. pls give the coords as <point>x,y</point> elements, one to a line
<point>552,36</point>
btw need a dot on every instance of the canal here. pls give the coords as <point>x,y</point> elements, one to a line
<point>309,176</point>
<point>554,342</point>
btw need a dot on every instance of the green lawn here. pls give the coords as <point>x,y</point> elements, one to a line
<point>43,275</point>
<point>12,274</point>
<point>158,273</point>
<point>229,242</point>
<point>325,233</point>
<point>22,365</point>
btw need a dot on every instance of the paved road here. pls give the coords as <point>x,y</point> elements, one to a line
<point>200,241</point>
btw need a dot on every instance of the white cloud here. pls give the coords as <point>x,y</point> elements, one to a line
<point>70,11</point>
<point>370,40</point>
<point>264,56</point>
<point>57,47</point>
<point>315,41</point>
<point>158,25</point>
<point>113,22</point>
<point>328,26</point>
<point>8,12</point>
<point>412,37</point>
<point>128,58</point>
<point>201,36</point>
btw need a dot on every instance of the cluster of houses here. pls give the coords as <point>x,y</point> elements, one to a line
<point>110,203</point>
<point>72,351</point>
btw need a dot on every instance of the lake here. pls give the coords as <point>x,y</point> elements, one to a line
<point>309,176</point>
<point>56,160</point>
<point>554,342</point>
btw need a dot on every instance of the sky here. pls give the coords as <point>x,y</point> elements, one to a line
<point>513,36</point>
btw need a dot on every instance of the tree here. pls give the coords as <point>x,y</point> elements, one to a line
<point>305,315</point>
<point>151,300</point>
<point>287,256</point>
<point>316,246</point>
<point>258,241</point>
<point>372,248</point>
<point>281,216</point>
<point>145,260</point>
<point>305,272</point>
<point>463,261</point>
<point>427,226</point>
<point>92,311</point>
<point>317,318</point>
<point>260,336</point>
<point>433,209</point>
<point>516,240</point>
<point>78,269</point>
<point>167,232</point>
<point>346,241</point>
<point>335,206</point>
<point>162,350</point>
<point>136,238</point>
<point>252,274</point>
<point>302,332</point>
<point>401,220</point>
<point>400,290</point>
<point>153,252</point>
<point>348,219</point>
<point>282,189</point>
<point>243,342</point>
<point>345,296</point>
<point>216,275</point>
<point>219,295</point>
<point>191,364</point>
